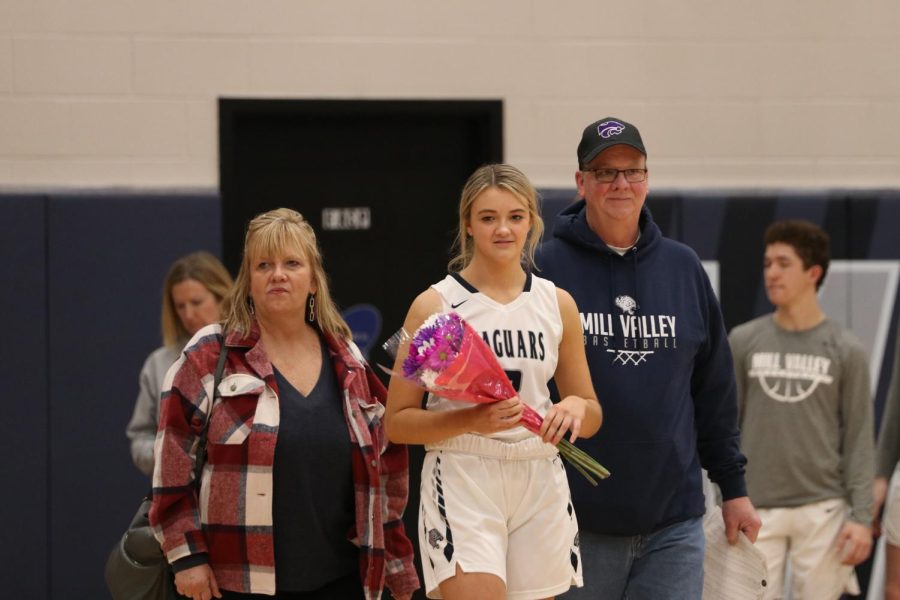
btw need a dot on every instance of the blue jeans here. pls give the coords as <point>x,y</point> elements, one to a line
<point>664,565</point>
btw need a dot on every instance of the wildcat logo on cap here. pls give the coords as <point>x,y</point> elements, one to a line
<point>610,128</point>
<point>606,132</point>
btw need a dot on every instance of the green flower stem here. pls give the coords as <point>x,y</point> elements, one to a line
<point>581,460</point>
<point>581,470</point>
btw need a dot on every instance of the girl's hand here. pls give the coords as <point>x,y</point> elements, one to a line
<point>496,416</point>
<point>567,415</point>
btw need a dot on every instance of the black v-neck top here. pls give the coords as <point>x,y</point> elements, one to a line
<point>313,506</point>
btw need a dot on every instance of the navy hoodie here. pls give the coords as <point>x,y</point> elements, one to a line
<point>662,370</point>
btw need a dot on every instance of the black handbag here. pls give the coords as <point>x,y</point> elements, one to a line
<point>136,568</point>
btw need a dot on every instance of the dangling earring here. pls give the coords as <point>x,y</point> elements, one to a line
<point>250,307</point>
<point>312,308</point>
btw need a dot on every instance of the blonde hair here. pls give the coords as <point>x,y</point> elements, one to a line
<point>503,177</point>
<point>205,269</point>
<point>273,233</point>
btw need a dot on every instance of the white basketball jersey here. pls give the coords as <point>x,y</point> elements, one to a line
<point>524,335</point>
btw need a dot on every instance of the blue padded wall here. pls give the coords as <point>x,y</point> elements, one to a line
<point>23,368</point>
<point>80,308</point>
<point>107,256</point>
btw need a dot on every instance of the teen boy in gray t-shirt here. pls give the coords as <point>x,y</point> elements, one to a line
<point>806,423</point>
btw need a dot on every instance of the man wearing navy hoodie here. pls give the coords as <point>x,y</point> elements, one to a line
<point>662,368</point>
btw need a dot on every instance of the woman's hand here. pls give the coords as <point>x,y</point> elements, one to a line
<point>566,415</point>
<point>197,583</point>
<point>496,416</point>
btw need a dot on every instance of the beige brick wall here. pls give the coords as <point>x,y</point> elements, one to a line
<point>796,93</point>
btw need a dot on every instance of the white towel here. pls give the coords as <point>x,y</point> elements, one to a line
<point>735,572</point>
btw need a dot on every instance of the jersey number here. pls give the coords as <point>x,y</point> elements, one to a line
<point>515,378</point>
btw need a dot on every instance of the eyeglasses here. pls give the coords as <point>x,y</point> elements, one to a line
<point>609,175</point>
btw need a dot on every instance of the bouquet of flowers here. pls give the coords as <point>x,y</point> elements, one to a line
<point>448,358</point>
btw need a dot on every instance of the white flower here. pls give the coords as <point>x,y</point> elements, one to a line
<point>425,346</point>
<point>429,321</point>
<point>428,377</point>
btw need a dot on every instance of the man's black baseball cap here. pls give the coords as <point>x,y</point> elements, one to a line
<point>600,135</point>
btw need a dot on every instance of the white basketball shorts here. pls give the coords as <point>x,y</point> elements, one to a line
<point>502,508</point>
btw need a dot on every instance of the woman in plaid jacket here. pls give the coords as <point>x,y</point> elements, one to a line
<point>301,495</point>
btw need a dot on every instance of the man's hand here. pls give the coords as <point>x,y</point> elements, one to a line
<point>739,515</point>
<point>854,543</point>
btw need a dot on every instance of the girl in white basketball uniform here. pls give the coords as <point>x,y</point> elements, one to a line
<point>496,520</point>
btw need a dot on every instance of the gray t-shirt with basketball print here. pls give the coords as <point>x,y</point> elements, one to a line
<point>805,414</point>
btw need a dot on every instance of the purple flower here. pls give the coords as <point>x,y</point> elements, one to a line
<point>434,346</point>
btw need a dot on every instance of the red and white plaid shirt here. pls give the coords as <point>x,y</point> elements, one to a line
<point>231,520</point>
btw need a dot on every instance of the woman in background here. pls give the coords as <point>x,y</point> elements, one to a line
<point>192,295</point>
